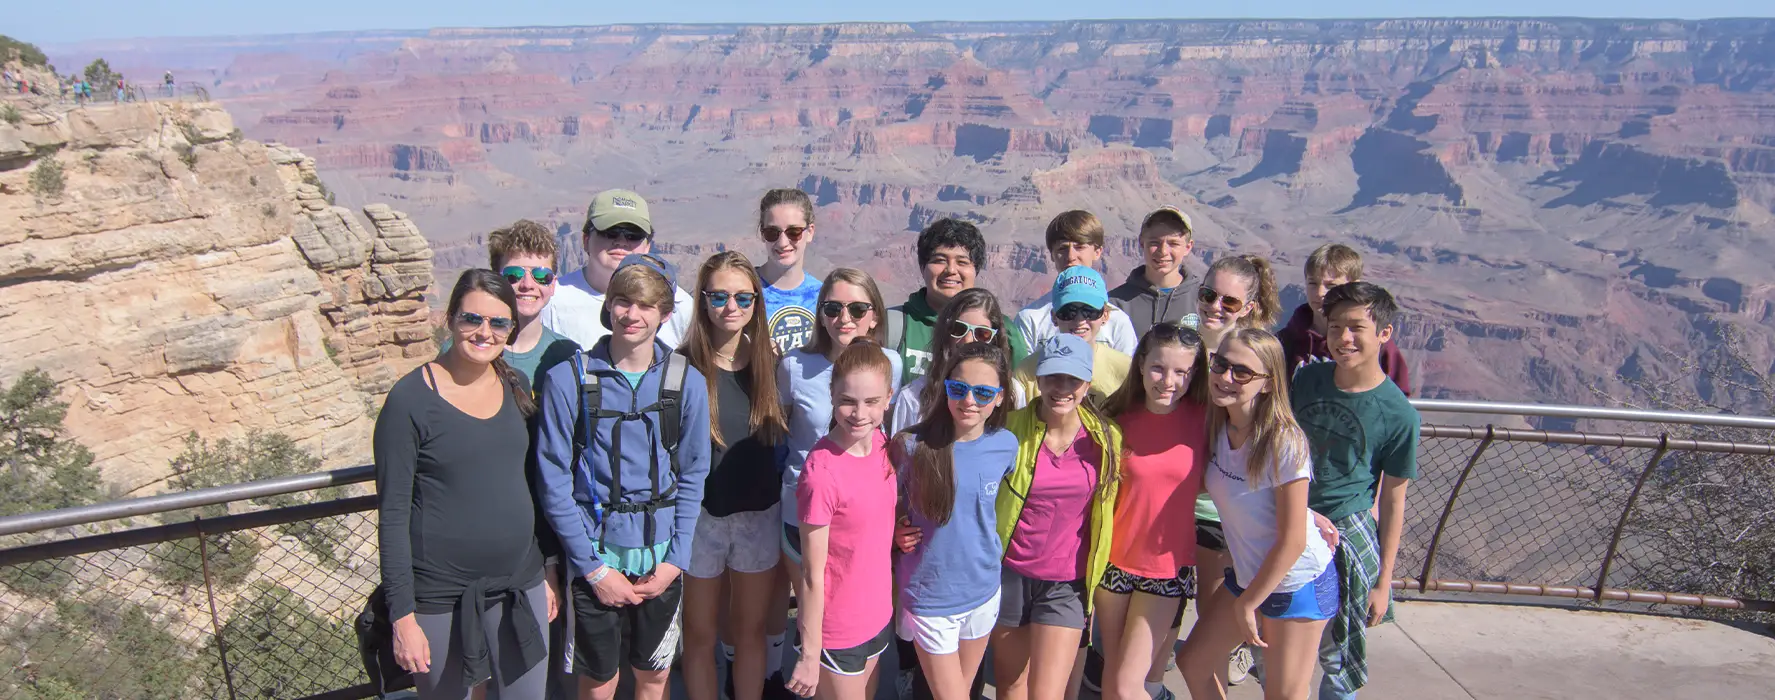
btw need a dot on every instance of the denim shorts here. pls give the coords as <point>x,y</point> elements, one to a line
<point>1318,600</point>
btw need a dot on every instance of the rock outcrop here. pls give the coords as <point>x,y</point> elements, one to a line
<point>172,279</point>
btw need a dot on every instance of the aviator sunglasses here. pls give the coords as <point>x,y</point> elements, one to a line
<point>1228,303</point>
<point>957,390</point>
<point>466,321</point>
<point>514,274</point>
<point>962,330</point>
<point>858,309</point>
<point>772,233</point>
<point>1241,374</point>
<point>718,300</point>
<point>622,233</point>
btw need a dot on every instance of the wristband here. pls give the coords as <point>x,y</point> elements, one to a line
<point>598,575</point>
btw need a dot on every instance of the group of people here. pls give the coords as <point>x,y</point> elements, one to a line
<point>617,467</point>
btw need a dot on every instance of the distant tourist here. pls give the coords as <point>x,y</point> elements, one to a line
<point>1154,292</point>
<point>950,253</point>
<point>1238,291</point>
<point>973,316</point>
<point>1364,436</point>
<point>461,568</point>
<point>739,534</point>
<point>1079,306</point>
<point>1283,582</point>
<point>617,224</point>
<point>1304,339</point>
<point>786,223</point>
<point>622,447</point>
<point>167,84</point>
<point>1075,239</point>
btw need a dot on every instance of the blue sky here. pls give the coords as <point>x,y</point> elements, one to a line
<point>77,20</point>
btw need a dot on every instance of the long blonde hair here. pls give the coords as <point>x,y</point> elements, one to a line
<point>1275,437</point>
<point>822,341</point>
<point>767,421</point>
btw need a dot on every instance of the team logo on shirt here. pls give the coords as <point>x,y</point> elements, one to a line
<point>1336,435</point>
<point>791,327</point>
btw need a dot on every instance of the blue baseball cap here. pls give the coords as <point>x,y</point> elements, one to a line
<point>1066,354</point>
<point>1080,284</point>
<point>651,262</point>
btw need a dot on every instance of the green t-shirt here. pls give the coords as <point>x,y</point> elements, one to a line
<point>919,334</point>
<point>1355,437</point>
<point>551,349</point>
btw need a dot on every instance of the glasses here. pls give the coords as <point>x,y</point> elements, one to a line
<point>1241,374</point>
<point>983,394</point>
<point>718,300</point>
<point>623,233</point>
<point>1077,310</point>
<point>858,309</point>
<point>466,322</point>
<point>1229,304</point>
<point>963,330</point>
<point>772,233</point>
<point>515,274</point>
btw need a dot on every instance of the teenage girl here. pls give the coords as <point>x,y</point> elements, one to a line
<point>846,499</point>
<point>1283,586</point>
<point>1164,420</point>
<point>733,563</point>
<point>971,316</point>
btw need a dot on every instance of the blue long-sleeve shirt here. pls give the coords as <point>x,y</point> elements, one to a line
<point>569,484</point>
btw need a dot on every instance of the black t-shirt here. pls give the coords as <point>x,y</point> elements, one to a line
<point>745,477</point>
<point>456,503</point>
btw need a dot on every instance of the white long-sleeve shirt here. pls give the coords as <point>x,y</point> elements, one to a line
<point>575,308</point>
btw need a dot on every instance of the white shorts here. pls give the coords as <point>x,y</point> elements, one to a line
<point>942,634</point>
<point>742,542</point>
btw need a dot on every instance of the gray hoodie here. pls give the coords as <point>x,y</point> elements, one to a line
<point>1147,306</point>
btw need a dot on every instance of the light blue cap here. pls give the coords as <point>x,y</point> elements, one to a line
<point>1080,284</point>
<point>1064,353</point>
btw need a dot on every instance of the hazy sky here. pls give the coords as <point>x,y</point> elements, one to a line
<point>75,20</point>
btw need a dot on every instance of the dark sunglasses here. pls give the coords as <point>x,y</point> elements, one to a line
<point>858,309</point>
<point>1229,304</point>
<point>718,300</point>
<point>772,233</point>
<point>957,390</point>
<point>962,330</point>
<point>466,322</point>
<point>623,233</point>
<point>1075,311</point>
<point>515,274</point>
<point>1241,374</point>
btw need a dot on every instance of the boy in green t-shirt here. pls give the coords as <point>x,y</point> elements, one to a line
<point>1364,435</point>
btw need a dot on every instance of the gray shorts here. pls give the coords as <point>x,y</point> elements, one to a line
<point>1026,601</point>
<point>444,679</point>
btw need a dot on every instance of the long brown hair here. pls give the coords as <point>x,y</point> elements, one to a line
<point>822,341</point>
<point>1260,280</point>
<point>933,455</point>
<point>767,422</point>
<point>490,282</point>
<point>942,343</point>
<point>1164,335</point>
<point>1275,437</point>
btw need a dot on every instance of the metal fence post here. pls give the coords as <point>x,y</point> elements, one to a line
<point>209,589</point>
<point>1453,495</point>
<point>1608,560</point>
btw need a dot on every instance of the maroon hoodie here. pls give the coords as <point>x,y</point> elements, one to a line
<point>1302,344</point>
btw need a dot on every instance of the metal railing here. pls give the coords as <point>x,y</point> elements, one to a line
<point>258,602</point>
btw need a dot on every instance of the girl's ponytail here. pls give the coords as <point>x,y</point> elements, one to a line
<point>1267,300</point>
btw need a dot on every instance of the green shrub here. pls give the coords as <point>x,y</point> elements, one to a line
<point>105,649</point>
<point>11,114</point>
<point>40,468</point>
<point>47,179</point>
<point>278,647</point>
<point>24,52</point>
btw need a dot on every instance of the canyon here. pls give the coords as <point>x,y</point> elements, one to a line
<point>1558,203</point>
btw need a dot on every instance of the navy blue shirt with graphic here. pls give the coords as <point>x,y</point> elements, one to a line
<point>791,313</point>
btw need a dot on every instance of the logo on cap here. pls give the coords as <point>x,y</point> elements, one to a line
<point>623,202</point>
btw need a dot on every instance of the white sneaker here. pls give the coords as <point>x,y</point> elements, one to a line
<point>1239,665</point>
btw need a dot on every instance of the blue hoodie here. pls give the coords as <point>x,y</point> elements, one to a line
<point>569,486</point>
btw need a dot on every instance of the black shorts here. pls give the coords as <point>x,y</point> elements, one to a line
<point>649,632</point>
<point>1209,536</point>
<point>853,661</point>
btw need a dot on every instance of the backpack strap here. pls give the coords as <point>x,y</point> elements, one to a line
<point>591,403</point>
<point>671,406</point>
<point>896,327</point>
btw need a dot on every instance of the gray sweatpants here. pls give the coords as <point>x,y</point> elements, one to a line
<point>444,680</point>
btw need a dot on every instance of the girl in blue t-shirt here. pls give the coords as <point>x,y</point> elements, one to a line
<point>950,466</point>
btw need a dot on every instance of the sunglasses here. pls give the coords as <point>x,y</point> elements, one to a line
<point>1242,375</point>
<point>623,234</point>
<point>983,394</point>
<point>963,330</point>
<point>858,309</point>
<point>466,322</point>
<point>514,274</point>
<point>772,233</point>
<point>718,300</point>
<point>1076,310</point>
<point>1229,304</point>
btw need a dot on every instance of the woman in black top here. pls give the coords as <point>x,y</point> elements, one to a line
<point>461,568</point>
<point>729,343</point>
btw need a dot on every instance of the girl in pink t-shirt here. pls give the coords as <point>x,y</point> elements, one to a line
<point>846,500</point>
<point>1162,409</point>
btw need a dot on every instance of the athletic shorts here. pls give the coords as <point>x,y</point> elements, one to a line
<point>792,542</point>
<point>1209,536</point>
<point>943,634</point>
<point>1121,582</point>
<point>1026,601</point>
<point>1318,600</point>
<point>642,636</point>
<point>739,542</point>
<point>852,661</point>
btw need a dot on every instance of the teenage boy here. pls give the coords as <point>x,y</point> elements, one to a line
<point>1303,339</point>
<point>1154,292</point>
<point>949,257</point>
<point>525,254</point>
<point>1075,239</point>
<point>786,223</point>
<point>1364,434</point>
<point>1080,303</point>
<point>617,225</point>
<point>622,448</point>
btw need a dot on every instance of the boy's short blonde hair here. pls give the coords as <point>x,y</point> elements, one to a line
<point>1336,259</point>
<point>1076,226</point>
